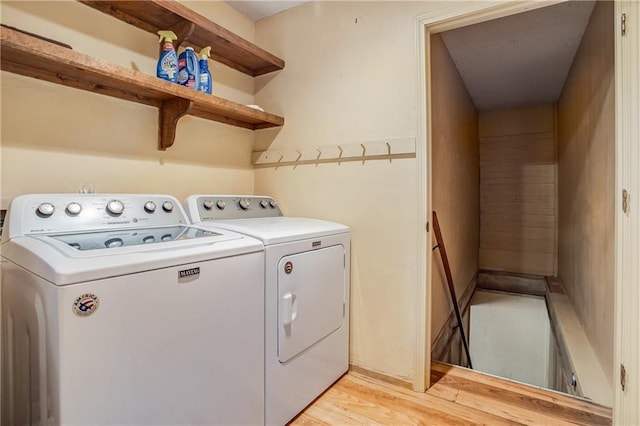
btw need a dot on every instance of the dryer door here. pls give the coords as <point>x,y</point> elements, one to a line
<point>311,298</point>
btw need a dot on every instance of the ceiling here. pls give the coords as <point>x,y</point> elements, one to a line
<point>520,59</point>
<point>257,10</point>
<point>516,60</point>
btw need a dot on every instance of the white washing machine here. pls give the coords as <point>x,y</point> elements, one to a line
<point>307,296</point>
<point>116,311</point>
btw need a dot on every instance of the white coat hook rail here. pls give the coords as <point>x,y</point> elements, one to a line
<point>390,149</point>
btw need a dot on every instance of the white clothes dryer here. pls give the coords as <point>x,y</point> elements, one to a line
<point>307,296</point>
<point>116,311</point>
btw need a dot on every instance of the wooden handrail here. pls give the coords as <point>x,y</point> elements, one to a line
<point>452,290</point>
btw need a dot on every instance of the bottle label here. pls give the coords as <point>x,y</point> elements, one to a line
<point>168,63</point>
<point>183,76</point>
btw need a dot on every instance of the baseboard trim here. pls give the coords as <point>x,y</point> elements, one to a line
<point>381,376</point>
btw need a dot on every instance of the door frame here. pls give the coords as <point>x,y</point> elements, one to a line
<point>452,16</point>
<point>627,164</point>
<point>627,240</point>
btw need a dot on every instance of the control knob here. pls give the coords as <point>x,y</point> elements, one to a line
<point>114,242</point>
<point>273,204</point>
<point>208,204</point>
<point>74,209</point>
<point>221,204</point>
<point>264,204</point>
<point>45,209</point>
<point>244,203</point>
<point>115,207</point>
<point>167,206</point>
<point>149,207</point>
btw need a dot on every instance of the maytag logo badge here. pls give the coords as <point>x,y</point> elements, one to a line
<point>189,273</point>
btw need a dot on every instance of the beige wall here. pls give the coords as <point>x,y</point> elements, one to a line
<point>455,181</point>
<point>586,172</point>
<point>55,139</point>
<point>518,195</point>
<point>351,77</point>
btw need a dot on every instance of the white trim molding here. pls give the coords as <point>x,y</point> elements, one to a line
<point>626,410</point>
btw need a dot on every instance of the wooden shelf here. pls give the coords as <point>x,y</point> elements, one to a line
<point>195,30</point>
<point>34,57</point>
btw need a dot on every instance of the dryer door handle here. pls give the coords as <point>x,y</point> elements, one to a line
<point>289,308</point>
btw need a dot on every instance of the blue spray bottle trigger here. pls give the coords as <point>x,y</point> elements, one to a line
<point>204,83</point>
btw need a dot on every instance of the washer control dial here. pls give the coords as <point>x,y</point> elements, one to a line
<point>264,204</point>
<point>74,209</point>
<point>244,203</point>
<point>220,204</point>
<point>149,207</point>
<point>167,206</point>
<point>208,204</point>
<point>46,209</point>
<point>273,204</point>
<point>114,242</point>
<point>115,207</point>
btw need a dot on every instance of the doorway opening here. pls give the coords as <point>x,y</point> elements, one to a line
<point>522,176</point>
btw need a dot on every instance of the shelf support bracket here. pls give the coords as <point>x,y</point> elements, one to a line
<point>169,113</point>
<point>183,30</point>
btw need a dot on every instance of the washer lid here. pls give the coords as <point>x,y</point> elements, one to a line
<point>73,258</point>
<point>110,239</point>
<point>276,230</point>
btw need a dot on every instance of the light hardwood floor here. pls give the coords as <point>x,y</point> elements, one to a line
<point>458,396</point>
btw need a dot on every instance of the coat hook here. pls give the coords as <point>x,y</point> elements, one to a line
<point>388,148</point>
<point>319,153</point>
<point>364,150</point>
<point>341,151</point>
<point>299,154</point>
<point>281,157</point>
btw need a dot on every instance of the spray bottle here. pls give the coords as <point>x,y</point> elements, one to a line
<point>204,84</point>
<point>167,68</point>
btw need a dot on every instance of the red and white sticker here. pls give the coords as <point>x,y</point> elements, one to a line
<point>86,304</point>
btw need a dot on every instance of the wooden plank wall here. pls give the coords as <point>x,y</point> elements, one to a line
<point>518,190</point>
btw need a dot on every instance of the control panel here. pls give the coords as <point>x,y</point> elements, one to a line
<point>51,213</point>
<point>221,207</point>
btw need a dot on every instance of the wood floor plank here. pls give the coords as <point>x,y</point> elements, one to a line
<point>509,405</point>
<point>307,419</point>
<point>421,405</point>
<point>441,369</point>
<point>393,409</point>
<point>457,396</point>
